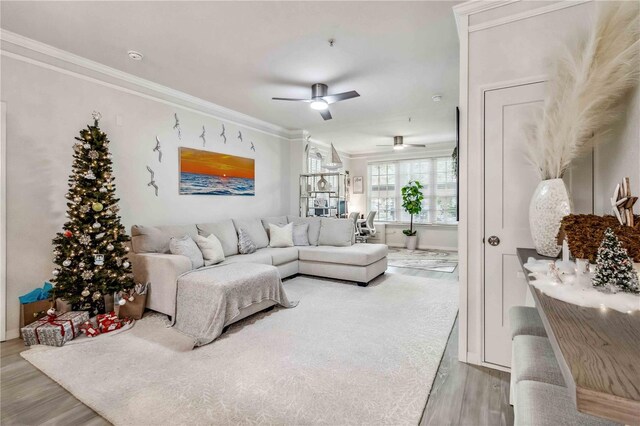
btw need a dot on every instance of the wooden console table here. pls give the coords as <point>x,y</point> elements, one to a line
<point>598,351</point>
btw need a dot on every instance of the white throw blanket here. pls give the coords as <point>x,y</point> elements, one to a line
<point>210,298</point>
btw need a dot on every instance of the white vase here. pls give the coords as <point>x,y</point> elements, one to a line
<point>549,204</point>
<point>412,242</point>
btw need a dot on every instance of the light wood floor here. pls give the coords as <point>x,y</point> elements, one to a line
<point>461,394</point>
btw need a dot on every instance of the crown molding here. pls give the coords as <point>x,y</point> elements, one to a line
<point>464,10</point>
<point>50,57</point>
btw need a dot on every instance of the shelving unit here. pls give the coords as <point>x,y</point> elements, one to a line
<point>328,201</point>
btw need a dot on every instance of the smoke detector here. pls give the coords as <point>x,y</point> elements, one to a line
<point>136,56</point>
<point>436,98</point>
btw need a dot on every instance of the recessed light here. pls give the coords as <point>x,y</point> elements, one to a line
<point>436,98</point>
<point>136,56</point>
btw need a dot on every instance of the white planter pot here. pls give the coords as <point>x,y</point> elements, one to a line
<point>549,204</point>
<point>412,242</point>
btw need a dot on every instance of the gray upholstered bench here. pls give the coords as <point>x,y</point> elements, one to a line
<point>533,359</point>
<point>541,404</point>
<point>525,320</point>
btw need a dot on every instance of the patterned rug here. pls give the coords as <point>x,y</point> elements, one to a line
<point>427,260</point>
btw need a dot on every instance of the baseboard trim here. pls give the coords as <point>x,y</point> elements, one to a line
<point>426,247</point>
<point>12,334</point>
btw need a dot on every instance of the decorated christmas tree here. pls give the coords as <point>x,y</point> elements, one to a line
<point>90,253</point>
<point>614,267</point>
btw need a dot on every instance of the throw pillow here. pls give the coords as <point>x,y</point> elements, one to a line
<point>281,236</point>
<point>300,234</point>
<point>336,232</point>
<point>245,243</point>
<point>211,249</point>
<point>185,246</point>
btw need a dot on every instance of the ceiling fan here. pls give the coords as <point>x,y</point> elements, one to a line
<point>320,101</point>
<point>398,144</point>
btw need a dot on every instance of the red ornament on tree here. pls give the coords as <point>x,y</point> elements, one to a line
<point>67,233</point>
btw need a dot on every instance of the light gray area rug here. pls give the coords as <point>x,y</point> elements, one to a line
<point>427,260</point>
<point>344,355</point>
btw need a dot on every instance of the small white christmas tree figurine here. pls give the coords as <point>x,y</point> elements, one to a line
<point>614,267</point>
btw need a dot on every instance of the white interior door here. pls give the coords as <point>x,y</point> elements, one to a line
<point>509,183</point>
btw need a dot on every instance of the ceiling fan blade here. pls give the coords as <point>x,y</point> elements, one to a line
<point>385,145</point>
<point>340,96</point>
<point>291,99</point>
<point>326,114</point>
<point>414,145</point>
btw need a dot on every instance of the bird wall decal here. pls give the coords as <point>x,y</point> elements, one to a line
<point>240,135</point>
<point>158,150</point>
<point>177,126</point>
<point>204,141</point>
<point>253,148</point>
<point>152,182</point>
<point>223,135</point>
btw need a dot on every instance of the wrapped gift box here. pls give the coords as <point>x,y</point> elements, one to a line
<point>108,322</point>
<point>54,330</point>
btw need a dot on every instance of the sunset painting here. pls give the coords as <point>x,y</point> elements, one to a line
<point>212,173</point>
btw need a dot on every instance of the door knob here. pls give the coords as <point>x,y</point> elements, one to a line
<point>493,240</point>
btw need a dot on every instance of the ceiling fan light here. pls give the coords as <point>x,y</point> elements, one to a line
<point>398,147</point>
<point>319,105</point>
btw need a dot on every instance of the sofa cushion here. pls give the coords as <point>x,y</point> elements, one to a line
<point>211,249</point>
<point>300,234</point>
<point>314,227</point>
<point>259,256</point>
<point>276,220</point>
<point>357,254</point>
<point>185,246</point>
<point>225,232</point>
<point>255,230</point>
<point>280,256</point>
<point>155,239</point>
<point>336,232</point>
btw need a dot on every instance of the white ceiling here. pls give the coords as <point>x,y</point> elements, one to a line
<point>240,54</point>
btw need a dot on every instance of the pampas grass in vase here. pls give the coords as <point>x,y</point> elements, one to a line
<point>587,87</point>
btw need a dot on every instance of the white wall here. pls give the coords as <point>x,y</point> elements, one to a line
<point>618,157</point>
<point>502,51</point>
<point>45,111</point>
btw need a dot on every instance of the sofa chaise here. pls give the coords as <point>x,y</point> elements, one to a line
<point>331,253</point>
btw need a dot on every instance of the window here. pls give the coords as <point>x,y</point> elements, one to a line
<point>315,164</point>
<point>435,174</point>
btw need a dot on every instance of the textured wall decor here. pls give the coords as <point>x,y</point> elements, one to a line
<point>202,136</point>
<point>212,173</point>
<point>158,149</point>
<point>152,181</point>
<point>224,137</point>
<point>240,135</point>
<point>177,126</point>
<point>253,148</point>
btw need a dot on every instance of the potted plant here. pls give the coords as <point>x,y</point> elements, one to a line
<point>412,203</point>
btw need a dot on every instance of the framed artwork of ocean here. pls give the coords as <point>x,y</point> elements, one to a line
<point>212,173</point>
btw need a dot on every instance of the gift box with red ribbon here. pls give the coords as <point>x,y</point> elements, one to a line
<point>89,329</point>
<point>54,330</point>
<point>109,322</point>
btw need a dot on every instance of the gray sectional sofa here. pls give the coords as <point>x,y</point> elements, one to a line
<point>331,253</point>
